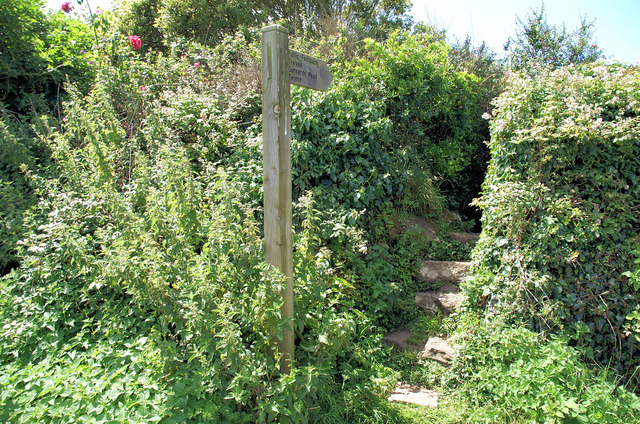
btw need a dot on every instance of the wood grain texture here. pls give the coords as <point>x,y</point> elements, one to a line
<point>276,122</point>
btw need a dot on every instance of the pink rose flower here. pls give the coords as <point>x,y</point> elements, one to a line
<point>135,42</point>
<point>196,65</point>
<point>66,7</point>
<point>143,88</point>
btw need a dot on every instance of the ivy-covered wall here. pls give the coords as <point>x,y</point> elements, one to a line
<point>561,210</point>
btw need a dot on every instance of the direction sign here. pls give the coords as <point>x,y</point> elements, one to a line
<point>308,71</point>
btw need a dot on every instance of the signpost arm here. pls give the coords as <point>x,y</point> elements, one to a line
<point>276,124</point>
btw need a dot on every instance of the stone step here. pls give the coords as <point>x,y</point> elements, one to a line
<point>431,228</point>
<point>444,300</point>
<point>463,237</point>
<point>408,393</point>
<point>400,340</point>
<point>437,349</point>
<point>443,271</point>
<point>426,226</point>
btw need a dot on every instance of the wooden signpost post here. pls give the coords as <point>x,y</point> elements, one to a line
<point>280,67</point>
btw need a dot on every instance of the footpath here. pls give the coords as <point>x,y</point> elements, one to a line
<point>446,276</point>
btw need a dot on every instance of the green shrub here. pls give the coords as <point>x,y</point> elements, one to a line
<point>561,207</point>
<point>433,104</point>
<point>399,116</point>
<point>516,375</point>
<point>433,108</point>
<point>340,143</point>
<point>22,45</point>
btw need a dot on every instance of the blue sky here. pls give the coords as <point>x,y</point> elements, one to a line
<point>617,22</point>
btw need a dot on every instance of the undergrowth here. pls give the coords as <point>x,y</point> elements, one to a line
<point>536,378</point>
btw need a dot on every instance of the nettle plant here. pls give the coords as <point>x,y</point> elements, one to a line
<point>143,294</point>
<point>561,210</point>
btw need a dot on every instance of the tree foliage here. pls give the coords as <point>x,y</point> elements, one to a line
<point>208,21</point>
<point>38,53</point>
<point>539,43</point>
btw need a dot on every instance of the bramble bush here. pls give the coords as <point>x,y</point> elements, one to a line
<point>561,207</point>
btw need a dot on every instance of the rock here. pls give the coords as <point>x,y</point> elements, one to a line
<point>463,237</point>
<point>449,288</point>
<point>443,271</point>
<point>431,228</point>
<point>442,301</point>
<point>437,349</point>
<point>415,395</point>
<point>400,340</point>
<point>428,227</point>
